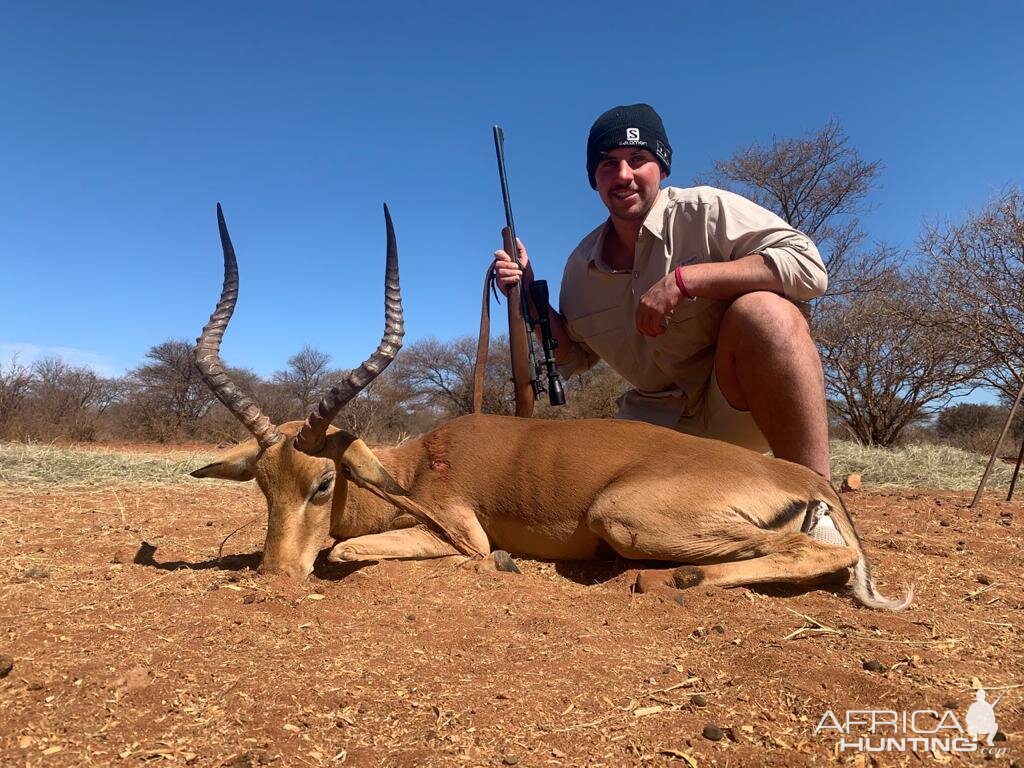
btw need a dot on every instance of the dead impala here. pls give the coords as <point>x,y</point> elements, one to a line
<point>546,489</point>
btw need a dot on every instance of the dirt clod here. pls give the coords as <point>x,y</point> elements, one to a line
<point>873,665</point>
<point>6,665</point>
<point>981,578</point>
<point>698,700</point>
<point>712,732</point>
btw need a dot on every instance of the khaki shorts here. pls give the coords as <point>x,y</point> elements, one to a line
<point>717,419</point>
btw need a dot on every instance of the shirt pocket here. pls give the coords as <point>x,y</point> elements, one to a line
<point>612,336</point>
<point>598,324</point>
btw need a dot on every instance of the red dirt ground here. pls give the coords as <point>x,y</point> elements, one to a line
<point>126,655</point>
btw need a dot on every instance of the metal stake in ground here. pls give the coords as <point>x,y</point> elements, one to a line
<point>995,451</point>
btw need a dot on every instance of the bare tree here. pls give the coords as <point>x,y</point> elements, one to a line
<point>819,184</point>
<point>67,400</point>
<point>306,378</point>
<point>15,381</point>
<point>887,361</point>
<point>166,396</point>
<point>590,394</point>
<point>442,373</point>
<point>979,271</point>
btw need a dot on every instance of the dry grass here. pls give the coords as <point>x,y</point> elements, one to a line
<point>941,467</point>
<point>918,466</point>
<point>47,465</point>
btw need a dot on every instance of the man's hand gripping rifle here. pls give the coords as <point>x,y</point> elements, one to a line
<point>527,367</point>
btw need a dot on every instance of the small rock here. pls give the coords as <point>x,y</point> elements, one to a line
<point>735,734</point>
<point>249,599</point>
<point>1000,736</point>
<point>503,561</point>
<point>509,760</point>
<point>712,732</point>
<point>410,617</point>
<point>6,665</point>
<point>698,700</point>
<point>719,629</point>
<point>209,523</point>
<point>981,578</point>
<point>944,523</point>
<point>29,574</point>
<point>951,704</point>
<point>873,665</point>
<point>852,482</point>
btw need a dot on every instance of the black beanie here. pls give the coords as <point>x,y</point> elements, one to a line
<point>633,125</point>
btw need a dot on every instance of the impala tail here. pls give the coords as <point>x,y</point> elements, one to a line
<point>863,587</point>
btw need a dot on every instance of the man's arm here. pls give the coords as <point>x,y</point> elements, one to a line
<point>719,280</point>
<point>757,251</point>
<point>508,274</point>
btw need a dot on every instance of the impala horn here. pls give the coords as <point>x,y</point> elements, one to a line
<point>310,438</point>
<point>207,352</point>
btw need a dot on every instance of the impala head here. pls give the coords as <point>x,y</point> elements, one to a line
<point>302,468</point>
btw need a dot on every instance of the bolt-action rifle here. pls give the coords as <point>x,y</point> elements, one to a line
<point>526,369</point>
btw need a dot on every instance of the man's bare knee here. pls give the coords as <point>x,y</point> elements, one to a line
<point>762,317</point>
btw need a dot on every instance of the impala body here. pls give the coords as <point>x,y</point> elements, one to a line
<point>549,489</point>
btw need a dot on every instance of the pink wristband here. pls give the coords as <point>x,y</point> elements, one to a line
<point>682,285</point>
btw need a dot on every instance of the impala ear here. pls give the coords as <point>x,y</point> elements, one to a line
<point>367,472</point>
<point>238,463</point>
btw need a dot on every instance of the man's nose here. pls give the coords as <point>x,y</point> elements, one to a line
<point>625,172</point>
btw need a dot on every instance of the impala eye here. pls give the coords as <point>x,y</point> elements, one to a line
<point>325,487</point>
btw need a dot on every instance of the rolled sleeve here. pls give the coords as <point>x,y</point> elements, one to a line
<point>738,227</point>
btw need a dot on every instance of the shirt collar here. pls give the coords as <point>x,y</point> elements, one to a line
<point>653,223</point>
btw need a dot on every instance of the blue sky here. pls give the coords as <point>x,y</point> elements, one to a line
<point>125,123</point>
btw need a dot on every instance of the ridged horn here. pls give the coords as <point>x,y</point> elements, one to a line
<point>311,437</point>
<point>207,352</point>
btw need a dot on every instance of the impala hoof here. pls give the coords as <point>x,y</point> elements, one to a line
<point>342,553</point>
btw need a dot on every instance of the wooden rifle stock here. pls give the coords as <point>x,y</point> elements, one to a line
<point>519,342</point>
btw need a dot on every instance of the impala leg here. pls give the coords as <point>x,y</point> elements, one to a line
<point>723,552</point>
<point>793,558</point>
<point>417,542</point>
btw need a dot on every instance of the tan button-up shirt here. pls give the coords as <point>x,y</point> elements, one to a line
<point>685,226</point>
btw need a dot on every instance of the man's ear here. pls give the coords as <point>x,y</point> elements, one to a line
<point>239,463</point>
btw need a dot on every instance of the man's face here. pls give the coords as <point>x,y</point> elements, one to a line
<point>628,180</point>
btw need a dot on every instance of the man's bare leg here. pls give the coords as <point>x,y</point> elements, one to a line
<point>767,364</point>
